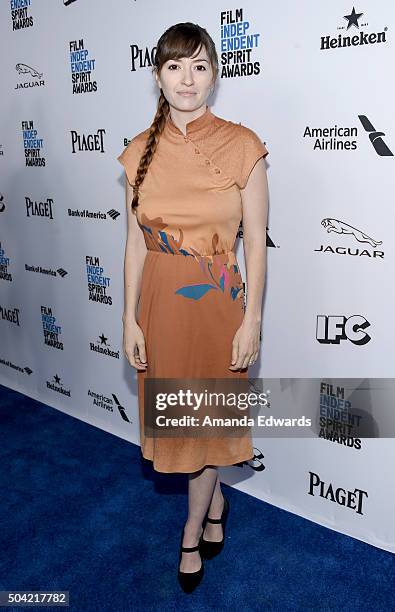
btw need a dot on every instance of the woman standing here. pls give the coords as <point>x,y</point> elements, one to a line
<point>192,176</point>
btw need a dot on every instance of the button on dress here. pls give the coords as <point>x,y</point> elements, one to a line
<point>191,298</point>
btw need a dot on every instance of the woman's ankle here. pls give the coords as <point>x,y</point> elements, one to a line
<point>192,530</point>
<point>216,507</point>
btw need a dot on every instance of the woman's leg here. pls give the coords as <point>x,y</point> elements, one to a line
<point>200,491</point>
<point>213,532</point>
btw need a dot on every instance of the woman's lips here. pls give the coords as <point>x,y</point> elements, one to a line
<point>186,93</point>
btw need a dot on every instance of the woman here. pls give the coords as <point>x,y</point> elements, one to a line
<point>191,177</point>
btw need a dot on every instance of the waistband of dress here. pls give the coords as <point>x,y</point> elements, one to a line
<point>186,255</point>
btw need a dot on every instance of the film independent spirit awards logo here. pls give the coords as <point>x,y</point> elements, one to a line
<point>339,421</point>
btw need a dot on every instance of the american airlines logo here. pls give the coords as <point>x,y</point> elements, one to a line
<point>375,137</point>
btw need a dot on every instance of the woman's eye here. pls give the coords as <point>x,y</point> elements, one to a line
<point>171,66</point>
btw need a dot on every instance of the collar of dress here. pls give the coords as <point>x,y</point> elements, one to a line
<point>194,127</point>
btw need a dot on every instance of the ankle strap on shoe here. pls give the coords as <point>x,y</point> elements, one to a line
<point>216,521</point>
<point>190,549</point>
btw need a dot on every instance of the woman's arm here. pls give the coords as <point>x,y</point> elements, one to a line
<point>255,208</point>
<point>135,252</point>
<point>254,197</point>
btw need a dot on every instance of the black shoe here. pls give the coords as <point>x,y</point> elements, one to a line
<point>190,580</point>
<point>211,549</point>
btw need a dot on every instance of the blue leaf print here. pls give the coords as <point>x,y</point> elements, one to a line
<point>195,291</point>
<point>234,291</point>
<point>163,235</point>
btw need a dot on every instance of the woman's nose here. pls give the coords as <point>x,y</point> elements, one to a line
<point>187,77</point>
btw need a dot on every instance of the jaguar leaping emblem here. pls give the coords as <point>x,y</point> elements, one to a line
<point>25,69</point>
<point>340,227</point>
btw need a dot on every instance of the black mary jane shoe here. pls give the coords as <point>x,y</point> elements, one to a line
<point>190,580</point>
<point>211,549</point>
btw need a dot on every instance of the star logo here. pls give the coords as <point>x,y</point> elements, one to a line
<point>353,19</point>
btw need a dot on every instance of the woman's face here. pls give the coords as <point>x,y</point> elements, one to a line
<point>186,82</point>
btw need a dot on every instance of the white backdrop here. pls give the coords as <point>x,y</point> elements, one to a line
<point>77,85</point>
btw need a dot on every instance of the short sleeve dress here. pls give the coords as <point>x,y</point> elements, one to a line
<point>191,299</point>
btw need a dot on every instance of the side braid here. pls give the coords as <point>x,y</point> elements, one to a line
<point>156,129</point>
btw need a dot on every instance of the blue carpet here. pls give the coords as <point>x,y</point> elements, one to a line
<point>83,512</point>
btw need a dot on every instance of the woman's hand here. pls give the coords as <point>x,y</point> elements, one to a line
<point>134,345</point>
<point>245,345</point>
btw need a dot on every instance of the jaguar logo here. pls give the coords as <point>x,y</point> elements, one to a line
<point>340,227</point>
<point>25,69</point>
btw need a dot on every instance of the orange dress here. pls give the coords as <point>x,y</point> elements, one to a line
<point>192,300</point>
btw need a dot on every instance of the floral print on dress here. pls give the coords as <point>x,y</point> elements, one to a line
<point>219,276</point>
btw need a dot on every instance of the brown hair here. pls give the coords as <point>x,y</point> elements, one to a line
<point>180,40</point>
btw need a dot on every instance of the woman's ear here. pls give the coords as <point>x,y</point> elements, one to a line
<point>157,80</point>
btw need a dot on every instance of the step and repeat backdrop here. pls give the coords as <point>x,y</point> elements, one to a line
<point>314,82</point>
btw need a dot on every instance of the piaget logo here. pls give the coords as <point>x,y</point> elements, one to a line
<point>87,142</point>
<point>38,208</point>
<point>10,314</point>
<point>342,497</point>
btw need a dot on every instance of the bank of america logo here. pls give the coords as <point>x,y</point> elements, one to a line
<point>113,213</point>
